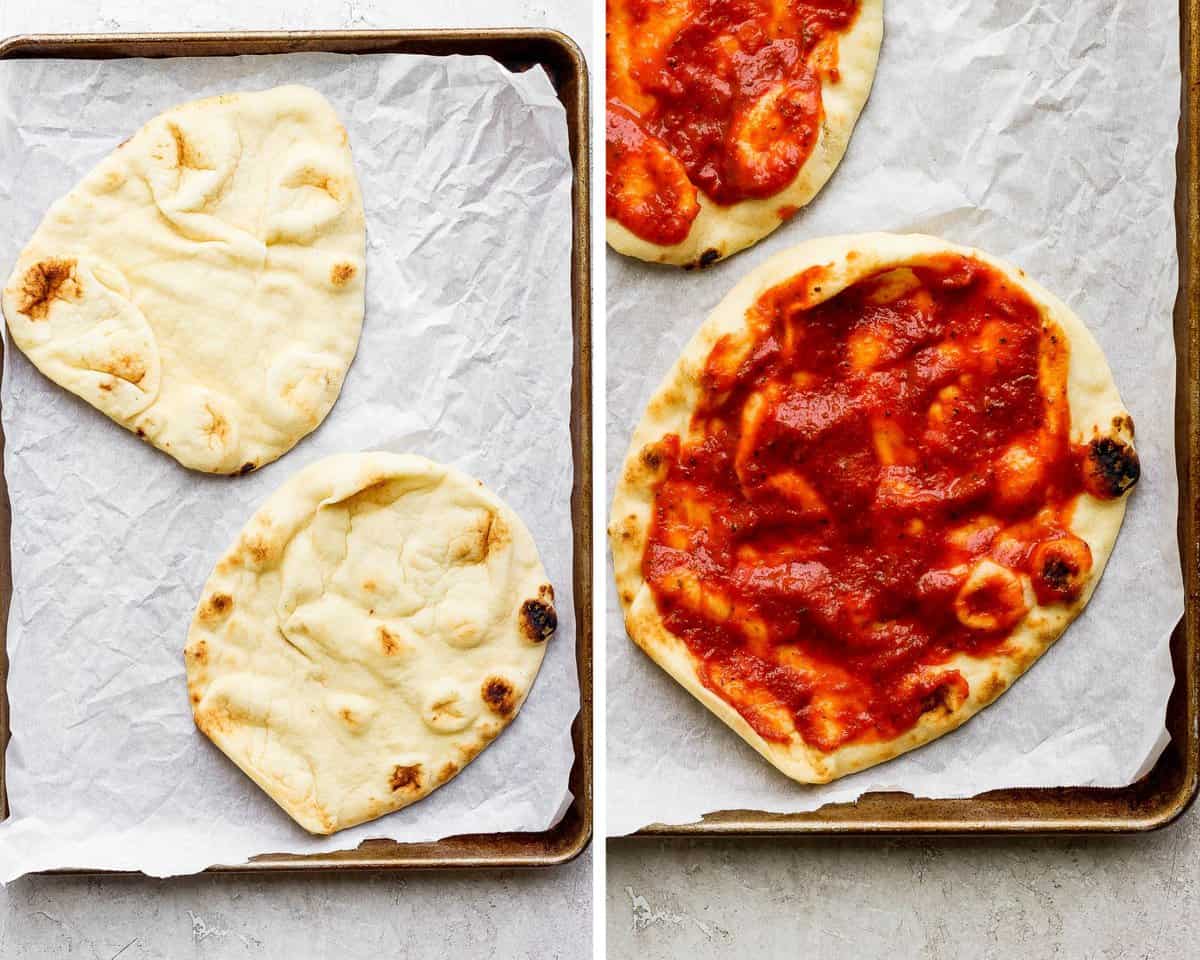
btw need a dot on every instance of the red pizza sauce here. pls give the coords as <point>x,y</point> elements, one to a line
<point>720,95</point>
<point>865,481</point>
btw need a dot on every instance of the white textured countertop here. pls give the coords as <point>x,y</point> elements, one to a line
<point>541,914</point>
<point>1109,898</point>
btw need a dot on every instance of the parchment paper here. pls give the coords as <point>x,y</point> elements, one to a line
<point>1044,133</point>
<point>465,357</point>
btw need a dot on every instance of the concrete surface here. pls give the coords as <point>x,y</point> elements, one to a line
<point>527,915</point>
<point>1119,898</point>
<point>537,914</point>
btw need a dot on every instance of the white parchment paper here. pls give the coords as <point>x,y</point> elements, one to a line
<point>1043,132</point>
<point>465,357</point>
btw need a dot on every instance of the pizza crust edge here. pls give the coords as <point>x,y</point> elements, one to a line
<point>1095,407</point>
<point>720,231</point>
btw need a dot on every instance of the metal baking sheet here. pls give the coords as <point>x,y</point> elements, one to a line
<point>516,49</point>
<point>1170,787</point>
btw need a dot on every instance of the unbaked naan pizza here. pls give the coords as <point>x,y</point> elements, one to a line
<point>725,117</point>
<point>880,482</point>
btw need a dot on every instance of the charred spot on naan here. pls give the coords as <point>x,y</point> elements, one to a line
<point>947,696</point>
<point>354,721</point>
<point>1111,467</point>
<point>538,620</point>
<point>648,467</point>
<point>1061,569</point>
<point>499,695</point>
<point>1057,573</point>
<point>706,259</point>
<point>405,777</point>
<point>389,642</point>
<point>216,607</point>
<point>46,281</point>
<point>626,529</point>
<point>258,550</point>
<point>342,273</point>
<point>198,652</point>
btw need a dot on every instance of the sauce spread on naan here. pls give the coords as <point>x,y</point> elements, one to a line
<point>873,484</point>
<point>723,96</point>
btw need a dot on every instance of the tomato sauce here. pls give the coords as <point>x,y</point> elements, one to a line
<point>724,95</point>
<point>864,482</point>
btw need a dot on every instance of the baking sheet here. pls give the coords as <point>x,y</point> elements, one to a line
<point>1044,133</point>
<point>465,357</point>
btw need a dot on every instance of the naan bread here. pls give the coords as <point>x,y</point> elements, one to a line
<point>804,614</point>
<point>377,623</point>
<point>203,285</point>
<point>705,95</point>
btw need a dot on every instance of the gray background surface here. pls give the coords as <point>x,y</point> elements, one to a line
<point>538,914</point>
<point>1118,898</point>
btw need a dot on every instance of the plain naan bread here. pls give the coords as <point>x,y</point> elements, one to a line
<point>203,286</point>
<point>376,624</point>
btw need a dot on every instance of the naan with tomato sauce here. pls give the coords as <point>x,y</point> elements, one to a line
<point>882,479</point>
<point>725,117</point>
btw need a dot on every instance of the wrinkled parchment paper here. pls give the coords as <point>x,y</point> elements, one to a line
<point>1044,133</point>
<point>465,357</point>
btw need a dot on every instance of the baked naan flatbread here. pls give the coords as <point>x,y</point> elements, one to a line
<point>203,285</point>
<point>377,623</point>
